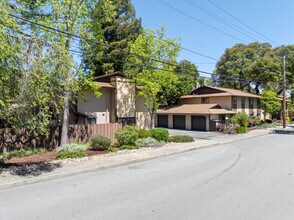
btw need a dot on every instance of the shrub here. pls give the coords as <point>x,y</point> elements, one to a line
<point>127,136</point>
<point>22,153</point>
<point>112,149</point>
<point>148,142</point>
<point>72,148</point>
<point>100,143</point>
<point>128,147</point>
<point>221,128</point>
<point>71,151</point>
<point>241,118</point>
<point>144,133</point>
<point>180,138</point>
<point>240,129</point>
<point>288,119</point>
<point>160,134</point>
<point>65,155</point>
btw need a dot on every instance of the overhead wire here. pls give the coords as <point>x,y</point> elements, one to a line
<point>200,21</point>
<point>241,22</point>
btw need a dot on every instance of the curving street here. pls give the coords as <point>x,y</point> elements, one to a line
<point>248,179</point>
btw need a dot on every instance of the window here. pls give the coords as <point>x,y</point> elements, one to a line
<point>204,100</point>
<point>243,102</point>
<point>251,106</point>
<point>234,102</point>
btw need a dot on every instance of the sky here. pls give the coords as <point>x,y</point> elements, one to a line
<point>272,19</point>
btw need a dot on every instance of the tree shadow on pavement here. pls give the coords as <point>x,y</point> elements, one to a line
<point>29,170</point>
<point>279,131</point>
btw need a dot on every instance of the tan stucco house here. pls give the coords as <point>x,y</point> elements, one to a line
<point>206,106</point>
<point>118,103</point>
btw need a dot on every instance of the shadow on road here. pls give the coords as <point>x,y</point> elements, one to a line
<point>291,132</point>
<point>29,170</point>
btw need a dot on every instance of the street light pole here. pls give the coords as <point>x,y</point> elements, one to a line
<point>284,92</point>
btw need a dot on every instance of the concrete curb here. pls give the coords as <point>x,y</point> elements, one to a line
<point>127,162</point>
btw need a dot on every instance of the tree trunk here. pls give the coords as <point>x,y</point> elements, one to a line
<point>64,131</point>
<point>152,120</point>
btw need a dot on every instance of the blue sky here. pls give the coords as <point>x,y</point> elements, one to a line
<point>271,18</point>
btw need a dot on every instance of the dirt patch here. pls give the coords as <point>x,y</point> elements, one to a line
<point>90,153</point>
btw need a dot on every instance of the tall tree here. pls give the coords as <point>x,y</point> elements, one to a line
<point>118,30</point>
<point>50,66</point>
<point>187,78</point>
<point>247,67</point>
<point>144,66</point>
<point>270,102</point>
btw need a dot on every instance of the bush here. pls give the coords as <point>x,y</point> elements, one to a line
<point>127,136</point>
<point>128,147</point>
<point>180,138</point>
<point>100,143</point>
<point>221,128</point>
<point>65,155</point>
<point>112,149</point>
<point>160,134</point>
<point>288,119</point>
<point>241,118</point>
<point>71,151</point>
<point>144,133</point>
<point>148,142</point>
<point>240,129</point>
<point>72,148</point>
<point>22,153</point>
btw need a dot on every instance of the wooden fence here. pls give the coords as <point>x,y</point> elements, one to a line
<point>10,140</point>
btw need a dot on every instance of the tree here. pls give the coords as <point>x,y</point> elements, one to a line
<point>187,78</point>
<point>270,102</point>
<point>52,78</point>
<point>118,29</point>
<point>247,67</point>
<point>145,69</point>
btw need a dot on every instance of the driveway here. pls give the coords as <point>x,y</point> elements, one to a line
<point>248,179</point>
<point>196,134</point>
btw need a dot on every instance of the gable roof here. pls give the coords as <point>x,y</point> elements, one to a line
<point>219,91</point>
<point>194,109</point>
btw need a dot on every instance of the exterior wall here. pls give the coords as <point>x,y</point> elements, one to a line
<point>196,100</point>
<point>170,121</point>
<point>143,119</point>
<point>188,122</point>
<point>125,98</point>
<point>99,108</point>
<point>207,122</point>
<point>224,102</point>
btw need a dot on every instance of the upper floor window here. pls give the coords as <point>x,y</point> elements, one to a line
<point>205,100</point>
<point>258,104</point>
<point>251,103</point>
<point>243,103</point>
<point>234,102</point>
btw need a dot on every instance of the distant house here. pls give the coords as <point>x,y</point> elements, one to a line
<point>118,103</point>
<point>206,106</point>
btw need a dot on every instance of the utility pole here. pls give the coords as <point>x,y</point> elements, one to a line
<point>284,92</point>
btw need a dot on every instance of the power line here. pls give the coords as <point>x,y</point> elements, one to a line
<point>229,24</point>
<point>223,10</point>
<point>202,22</point>
<point>88,39</point>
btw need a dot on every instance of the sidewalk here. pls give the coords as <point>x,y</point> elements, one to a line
<point>31,174</point>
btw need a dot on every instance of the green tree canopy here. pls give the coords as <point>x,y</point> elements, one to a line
<point>187,78</point>
<point>270,102</point>
<point>118,28</point>
<point>249,67</point>
<point>144,68</point>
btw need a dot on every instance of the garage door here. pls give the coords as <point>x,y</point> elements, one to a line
<point>162,121</point>
<point>179,121</point>
<point>199,123</point>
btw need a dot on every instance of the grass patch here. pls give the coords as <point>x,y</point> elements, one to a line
<point>180,139</point>
<point>112,149</point>
<point>129,147</point>
<point>22,153</point>
<point>65,155</point>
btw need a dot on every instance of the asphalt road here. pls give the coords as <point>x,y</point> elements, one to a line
<point>249,179</point>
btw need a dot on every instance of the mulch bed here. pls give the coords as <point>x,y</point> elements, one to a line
<point>40,158</point>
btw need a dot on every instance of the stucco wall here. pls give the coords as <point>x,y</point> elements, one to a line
<point>99,108</point>
<point>224,102</point>
<point>143,119</point>
<point>125,98</point>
